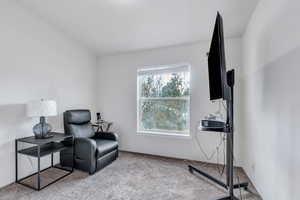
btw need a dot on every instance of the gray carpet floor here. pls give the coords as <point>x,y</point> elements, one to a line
<point>132,177</point>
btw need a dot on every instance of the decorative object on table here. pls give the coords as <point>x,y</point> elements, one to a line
<point>98,117</point>
<point>45,147</point>
<point>102,125</point>
<point>41,108</point>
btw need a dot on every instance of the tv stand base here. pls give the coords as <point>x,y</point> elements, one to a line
<point>229,198</point>
<point>193,169</point>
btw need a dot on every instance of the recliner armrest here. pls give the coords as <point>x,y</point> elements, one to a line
<point>85,148</point>
<point>106,135</point>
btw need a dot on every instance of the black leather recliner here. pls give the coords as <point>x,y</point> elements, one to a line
<point>93,150</point>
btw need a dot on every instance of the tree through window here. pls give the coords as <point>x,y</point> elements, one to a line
<point>164,100</point>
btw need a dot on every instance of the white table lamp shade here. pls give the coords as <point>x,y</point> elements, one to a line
<point>41,108</point>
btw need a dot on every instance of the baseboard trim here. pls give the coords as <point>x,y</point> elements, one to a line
<point>174,158</point>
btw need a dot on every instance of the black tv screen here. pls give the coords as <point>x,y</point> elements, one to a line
<point>216,62</point>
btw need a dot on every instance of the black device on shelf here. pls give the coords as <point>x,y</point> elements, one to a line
<point>212,124</point>
<point>221,85</point>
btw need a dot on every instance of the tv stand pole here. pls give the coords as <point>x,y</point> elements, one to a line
<point>229,130</point>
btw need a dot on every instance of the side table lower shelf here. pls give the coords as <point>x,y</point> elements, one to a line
<point>29,181</point>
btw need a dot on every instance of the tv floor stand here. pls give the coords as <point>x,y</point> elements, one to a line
<point>229,130</point>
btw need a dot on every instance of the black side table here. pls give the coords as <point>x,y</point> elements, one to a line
<point>99,125</point>
<point>44,147</point>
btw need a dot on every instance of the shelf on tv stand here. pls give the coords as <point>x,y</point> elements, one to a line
<point>215,129</point>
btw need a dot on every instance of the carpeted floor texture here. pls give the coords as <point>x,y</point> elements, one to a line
<point>132,177</point>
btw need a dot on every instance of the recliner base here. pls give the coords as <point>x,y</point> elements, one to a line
<point>106,160</point>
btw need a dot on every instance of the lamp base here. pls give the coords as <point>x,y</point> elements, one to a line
<point>46,136</point>
<point>42,129</point>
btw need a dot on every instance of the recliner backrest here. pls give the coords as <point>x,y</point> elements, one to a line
<point>78,123</point>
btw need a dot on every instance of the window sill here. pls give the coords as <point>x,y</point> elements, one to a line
<point>164,134</point>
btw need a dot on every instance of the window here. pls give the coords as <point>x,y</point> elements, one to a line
<point>164,100</point>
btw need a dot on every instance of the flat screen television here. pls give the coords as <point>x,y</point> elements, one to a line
<point>216,63</point>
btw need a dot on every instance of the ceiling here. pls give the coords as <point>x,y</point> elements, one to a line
<point>114,26</point>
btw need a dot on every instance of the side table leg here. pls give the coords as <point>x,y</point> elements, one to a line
<point>39,167</point>
<point>51,159</point>
<point>73,152</point>
<point>16,160</point>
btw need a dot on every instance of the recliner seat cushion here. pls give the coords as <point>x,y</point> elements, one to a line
<point>105,146</point>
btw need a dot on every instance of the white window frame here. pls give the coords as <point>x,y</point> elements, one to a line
<point>160,132</point>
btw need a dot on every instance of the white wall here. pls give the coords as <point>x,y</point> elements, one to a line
<point>117,97</point>
<point>36,62</point>
<point>270,105</point>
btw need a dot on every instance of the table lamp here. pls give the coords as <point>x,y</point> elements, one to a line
<point>42,109</point>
